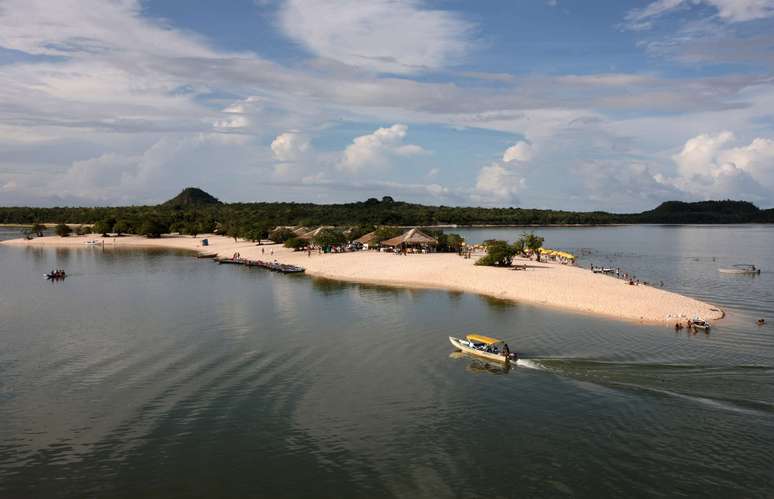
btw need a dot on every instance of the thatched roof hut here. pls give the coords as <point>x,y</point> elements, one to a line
<point>411,237</point>
<point>308,236</point>
<point>366,238</point>
<point>301,230</point>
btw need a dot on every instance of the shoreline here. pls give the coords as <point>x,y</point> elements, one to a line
<point>550,284</point>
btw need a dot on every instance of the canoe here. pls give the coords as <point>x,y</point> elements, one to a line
<point>463,346</point>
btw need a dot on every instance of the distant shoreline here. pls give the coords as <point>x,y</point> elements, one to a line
<point>571,288</point>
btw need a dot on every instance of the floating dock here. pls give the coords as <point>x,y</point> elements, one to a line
<point>275,266</point>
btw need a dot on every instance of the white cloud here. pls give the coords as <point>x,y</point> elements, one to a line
<point>708,167</point>
<point>521,151</point>
<point>498,184</point>
<point>377,148</point>
<point>392,36</point>
<point>289,146</point>
<point>727,10</point>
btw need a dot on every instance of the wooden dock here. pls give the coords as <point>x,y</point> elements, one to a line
<point>274,266</point>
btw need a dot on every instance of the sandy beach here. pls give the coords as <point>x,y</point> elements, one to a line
<point>549,284</point>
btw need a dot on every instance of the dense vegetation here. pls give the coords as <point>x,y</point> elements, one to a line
<point>500,253</point>
<point>194,211</point>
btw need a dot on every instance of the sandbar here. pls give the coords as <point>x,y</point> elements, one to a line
<point>546,283</point>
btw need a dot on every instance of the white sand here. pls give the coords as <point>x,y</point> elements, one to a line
<point>571,288</point>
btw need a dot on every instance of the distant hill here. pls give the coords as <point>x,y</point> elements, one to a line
<point>191,196</point>
<point>726,212</point>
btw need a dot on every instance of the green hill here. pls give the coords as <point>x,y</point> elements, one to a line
<point>191,196</point>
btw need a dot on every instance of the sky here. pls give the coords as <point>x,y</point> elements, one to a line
<point>606,105</point>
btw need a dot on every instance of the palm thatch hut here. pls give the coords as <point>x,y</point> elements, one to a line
<point>301,230</point>
<point>308,236</point>
<point>413,237</point>
<point>366,238</point>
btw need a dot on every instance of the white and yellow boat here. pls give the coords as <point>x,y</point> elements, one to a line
<point>485,347</point>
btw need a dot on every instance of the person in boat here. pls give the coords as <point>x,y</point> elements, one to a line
<point>506,350</point>
<point>761,322</point>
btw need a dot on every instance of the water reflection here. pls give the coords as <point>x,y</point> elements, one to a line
<point>477,366</point>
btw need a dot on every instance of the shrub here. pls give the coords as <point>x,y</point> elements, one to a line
<point>498,253</point>
<point>63,230</point>
<point>295,243</point>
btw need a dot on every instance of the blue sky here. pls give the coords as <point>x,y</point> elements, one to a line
<point>609,105</point>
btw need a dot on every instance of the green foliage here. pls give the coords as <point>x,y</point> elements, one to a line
<point>104,226</point>
<point>153,228</point>
<point>63,230</point>
<point>518,246</point>
<point>281,235</point>
<point>121,227</point>
<point>329,237</point>
<point>384,233</point>
<point>532,243</point>
<point>498,253</point>
<point>196,206</point>
<point>37,229</point>
<point>83,229</point>
<point>295,243</point>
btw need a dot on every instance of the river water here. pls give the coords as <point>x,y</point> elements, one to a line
<point>154,374</point>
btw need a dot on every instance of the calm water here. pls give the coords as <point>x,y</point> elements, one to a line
<point>154,374</point>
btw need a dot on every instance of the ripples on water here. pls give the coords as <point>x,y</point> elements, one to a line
<point>158,375</point>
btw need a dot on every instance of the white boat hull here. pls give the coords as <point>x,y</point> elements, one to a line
<point>739,271</point>
<point>478,353</point>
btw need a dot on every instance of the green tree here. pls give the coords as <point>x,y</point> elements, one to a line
<point>152,228</point>
<point>384,233</point>
<point>498,253</point>
<point>38,229</point>
<point>329,237</point>
<point>518,246</point>
<point>63,230</point>
<point>104,226</point>
<point>533,243</point>
<point>296,243</point>
<point>121,227</point>
<point>193,228</point>
<point>83,229</point>
<point>281,235</point>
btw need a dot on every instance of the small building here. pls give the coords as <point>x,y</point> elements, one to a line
<point>366,239</point>
<point>308,236</point>
<point>413,238</point>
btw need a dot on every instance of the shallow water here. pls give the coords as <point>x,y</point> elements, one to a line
<point>156,374</point>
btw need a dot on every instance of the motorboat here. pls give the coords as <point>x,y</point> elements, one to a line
<point>58,274</point>
<point>740,268</point>
<point>697,323</point>
<point>484,347</point>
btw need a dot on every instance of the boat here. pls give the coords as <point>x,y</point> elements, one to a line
<point>697,323</point>
<point>55,275</point>
<point>740,268</point>
<point>206,255</point>
<point>483,346</point>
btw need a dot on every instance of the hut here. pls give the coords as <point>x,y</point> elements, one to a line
<point>366,239</point>
<point>413,238</point>
<point>299,231</point>
<point>308,236</point>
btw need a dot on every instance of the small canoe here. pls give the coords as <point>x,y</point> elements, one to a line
<point>482,346</point>
<point>206,255</point>
<point>699,324</point>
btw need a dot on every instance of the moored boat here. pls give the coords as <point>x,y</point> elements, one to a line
<point>740,268</point>
<point>485,347</point>
<point>697,323</point>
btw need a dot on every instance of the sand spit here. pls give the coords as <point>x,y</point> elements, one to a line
<point>567,287</point>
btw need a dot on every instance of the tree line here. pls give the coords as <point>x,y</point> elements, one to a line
<point>250,218</point>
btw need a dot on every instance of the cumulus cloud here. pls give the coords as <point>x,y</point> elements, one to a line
<point>289,146</point>
<point>498,184</point>
<point>377,148</point>
<point>521,151</point>
<point>364,35</point>
<point>709,166</point>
